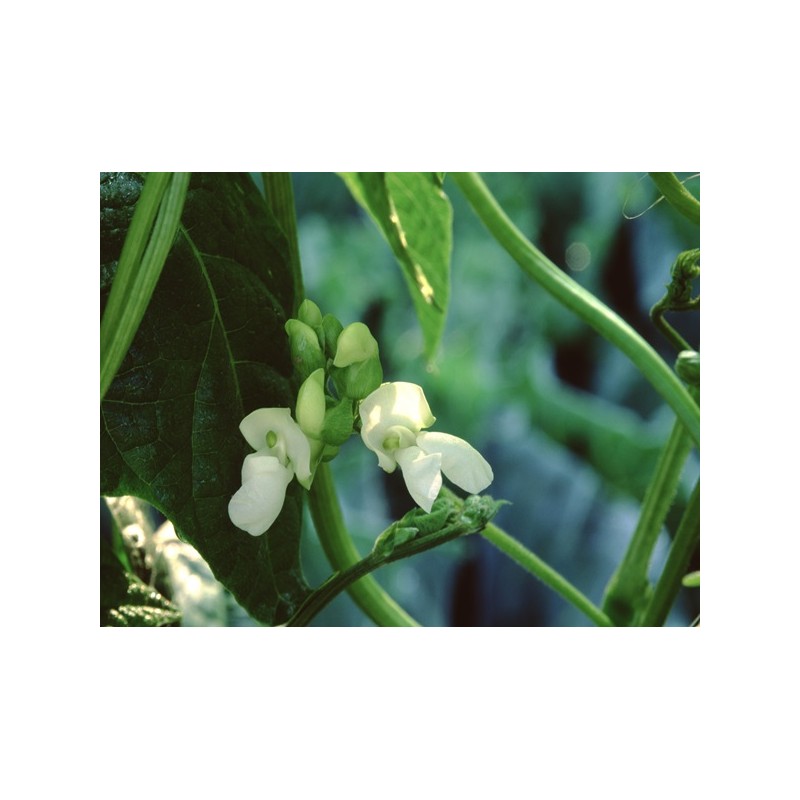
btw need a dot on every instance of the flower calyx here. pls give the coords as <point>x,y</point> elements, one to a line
<point>356,368</point>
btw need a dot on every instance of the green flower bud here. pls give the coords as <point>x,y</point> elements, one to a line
<point>310,415</point>
<point>304,346</point>
<point>310,409</point>
<point>687,366</point>
<point>692,580</point>
<point>355,344</point>
<point>309,313</point>
<point>331,329</point>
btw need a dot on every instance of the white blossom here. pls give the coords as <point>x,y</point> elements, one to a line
<point>282,452</point>
<point>392,421</point>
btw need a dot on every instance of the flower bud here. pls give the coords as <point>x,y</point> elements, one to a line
<point>310,410</point>
<point>692,580</point>
<point>687,366</point>
<point>304,346</point>
<point>355,344</point>
<point>331,329</point>
<point>309,313</point>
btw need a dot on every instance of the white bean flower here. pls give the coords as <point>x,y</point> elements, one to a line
<point>282,452</point>
<point>392,421</point>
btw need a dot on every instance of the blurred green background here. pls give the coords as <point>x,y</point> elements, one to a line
<point>570,428</point>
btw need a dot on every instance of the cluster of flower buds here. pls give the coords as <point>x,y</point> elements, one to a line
<point>322,349</point>
<point>348,355</point>
<point>342,387</point>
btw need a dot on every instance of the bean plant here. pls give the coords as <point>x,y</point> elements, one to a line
<point>227,394</point>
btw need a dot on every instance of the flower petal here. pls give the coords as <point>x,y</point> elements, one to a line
<point>389,406</point>
<point>256,425</point>
<point>386,462</point>
<point>260,463</point>
<point>291,446</point>
<point>299,451</point>
<point>422,474</point>
<point>461,462</point>
<point>260,499</point>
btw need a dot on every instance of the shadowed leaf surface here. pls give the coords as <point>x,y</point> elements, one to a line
<point>210,349</point>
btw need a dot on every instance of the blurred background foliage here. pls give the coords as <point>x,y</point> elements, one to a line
<point>570,428</point>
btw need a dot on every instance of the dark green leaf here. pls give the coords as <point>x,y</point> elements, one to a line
<point>416,219</point>
<point>210,349</point>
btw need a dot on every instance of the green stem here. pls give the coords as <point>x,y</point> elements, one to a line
<point>683,547</point>
<point>324,593</point>
<point>413,534</point>
<point>545,573</point>
<point>323,503</point>
<point>342,554</point>
<point>580,301</point>
<point>674,338</point>
<point>140,264</point>
<point>340,581</point>
<point>678,296</point>
<point>280,198</point>
<point>677,195</point>
<point>627,590</point>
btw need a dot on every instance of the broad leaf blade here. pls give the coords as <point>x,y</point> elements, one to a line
<point>416,219</point>
<point>210,349</point>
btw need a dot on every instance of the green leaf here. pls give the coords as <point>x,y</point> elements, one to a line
<point>416,219</point>
<point>392,537</point>
<point>449,518</point>
<point>210,349</point>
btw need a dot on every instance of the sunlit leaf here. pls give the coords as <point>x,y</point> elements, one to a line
<point>416,219</point>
